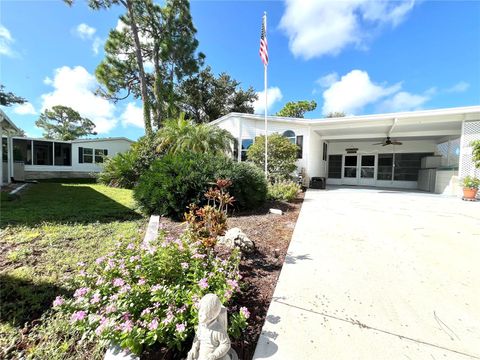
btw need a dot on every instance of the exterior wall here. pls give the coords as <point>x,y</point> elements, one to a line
<point>315,164</point>
<point>113,146</point>
<point>447,183</point>
<point>38,175</point>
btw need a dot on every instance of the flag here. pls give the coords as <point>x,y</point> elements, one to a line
<point>263,42</point>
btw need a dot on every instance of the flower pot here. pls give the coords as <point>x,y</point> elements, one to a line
<point>469,193</point>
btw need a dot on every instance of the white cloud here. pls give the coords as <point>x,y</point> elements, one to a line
<point>48,81</point>
<point>320,27</point>
<point>354,91</point>
<point>133,115</point>
<point>327,80</point>
<point>6,41</point>
<point>274,94</point>
<point>404,101</point>
<point>74,87</point>
<point>461,86</point>
<point>97,43</point>
<point>24,109</point>
<point>85,31</point>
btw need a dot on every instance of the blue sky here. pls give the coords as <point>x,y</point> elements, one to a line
<point>360,57</point>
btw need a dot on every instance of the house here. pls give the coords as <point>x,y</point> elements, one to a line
<point>427,150</point>
<point>27,158</point>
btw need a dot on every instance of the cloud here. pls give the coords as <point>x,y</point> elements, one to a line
<point>327,80</point>
<point>74,87</point>
<point>97,43</point>
<point>353,91</point>
<point>85,31</point>
<point>274,94</point>
<point>461,86</point>
<point>133,115</point>
<point>323,27</point>
<point>24,109</point>
<point>404,101</point>
<point>6,41</point>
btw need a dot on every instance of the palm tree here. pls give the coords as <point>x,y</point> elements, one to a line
<point>180,135</point>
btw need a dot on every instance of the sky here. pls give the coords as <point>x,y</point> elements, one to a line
<point>359,56</point>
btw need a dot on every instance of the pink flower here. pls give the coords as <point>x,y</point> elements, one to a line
<point>80,292</point>
<point>130,246</point>
<point>110,309</point>
<point>156,287</point>
<point>78,316</point>
<point>180,327</point>
<point>168,319</point>
<point>145,312</point>
<point>95,298</point>
<point>124,289</point>
<point>100,260</point>
<point>198,256</point>
<point>118,282</point>
<point>244,311</point>
<point>58,301</point>
<point>203,283</point>
<point>81,264</point>
<point>184,265</point>
<point>82,273</point>
<point>141,282</point>
<point>232,283</point>
<point>127,326</point>
<point>153,324</point>
<point>100,281</point>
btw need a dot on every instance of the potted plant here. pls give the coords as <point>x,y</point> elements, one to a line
<point>470,187</point>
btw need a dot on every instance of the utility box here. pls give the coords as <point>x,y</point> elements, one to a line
<point>318,183</point>
<point>431,162</point>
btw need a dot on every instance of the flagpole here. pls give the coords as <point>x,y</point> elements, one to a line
<point>266,126</point>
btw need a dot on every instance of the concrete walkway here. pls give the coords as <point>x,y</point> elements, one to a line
<point>378,274</point>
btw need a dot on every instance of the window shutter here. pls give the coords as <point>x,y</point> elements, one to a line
<point>300,146</point>
<point>105,152</point>
<point>80,155</point>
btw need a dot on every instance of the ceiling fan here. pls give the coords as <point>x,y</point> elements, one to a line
<point>388,141</point>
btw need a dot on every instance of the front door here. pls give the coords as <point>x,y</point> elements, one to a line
<point>359,169</point>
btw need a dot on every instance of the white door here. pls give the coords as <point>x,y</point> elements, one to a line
<point>350,169</point>
<point>367,170</point>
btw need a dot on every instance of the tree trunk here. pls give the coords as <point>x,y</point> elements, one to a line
<point>141,71</point>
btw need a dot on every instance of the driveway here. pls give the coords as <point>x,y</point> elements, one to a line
<point>378,274</point>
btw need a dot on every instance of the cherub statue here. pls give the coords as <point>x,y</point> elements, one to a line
<point>211,338</point>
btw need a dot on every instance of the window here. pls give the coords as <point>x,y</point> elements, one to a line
<point>22,151</point>
<point>63,154</point>
<point>290,135</point>
<point>235,150</point>
<point>335,166</point>
<point>246,143</point>
<point>407,166</point>
<point>4,150</point>
<point>385,167</point>
<point>100,155</point>
<point>300,146</point>
<point>350,167</point>
<point>325,151</point>
<point>42,153</point>
<point>87,155</point>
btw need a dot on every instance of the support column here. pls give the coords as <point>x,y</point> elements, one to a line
<point>1,156</point>
<point>9,159</point>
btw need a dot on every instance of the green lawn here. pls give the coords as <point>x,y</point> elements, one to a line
<point>45,233</point>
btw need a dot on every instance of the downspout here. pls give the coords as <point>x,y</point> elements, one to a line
<point>392,127</point>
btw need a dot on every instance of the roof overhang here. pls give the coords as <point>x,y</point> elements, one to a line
<point>7,126</point>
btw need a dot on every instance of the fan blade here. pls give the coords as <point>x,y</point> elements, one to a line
<point>378,143</point>
<point>385,144</point>
<point>396,143</point>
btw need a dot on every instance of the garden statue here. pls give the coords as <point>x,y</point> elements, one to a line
<point>211,338</point>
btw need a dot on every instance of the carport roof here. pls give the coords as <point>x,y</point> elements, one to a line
<point>437,122</point>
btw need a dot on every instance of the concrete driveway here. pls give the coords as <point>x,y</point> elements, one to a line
<point>378,274</point>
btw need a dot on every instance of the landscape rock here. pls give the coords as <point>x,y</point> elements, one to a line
<point>236,238</point>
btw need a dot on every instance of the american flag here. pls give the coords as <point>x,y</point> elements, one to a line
<point>263,42</point>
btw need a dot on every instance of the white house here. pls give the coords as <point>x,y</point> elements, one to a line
<point>428,150</point>
<point>32,158</point>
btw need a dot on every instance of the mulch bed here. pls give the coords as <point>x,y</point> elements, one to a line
<point>260,270</point>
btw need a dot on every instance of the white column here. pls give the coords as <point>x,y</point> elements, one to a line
<point>53,153</point>
<point>9,159</point>
<point>240,129</point>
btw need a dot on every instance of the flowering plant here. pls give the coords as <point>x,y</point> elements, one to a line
<point>147,293</point>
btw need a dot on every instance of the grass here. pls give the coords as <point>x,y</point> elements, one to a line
<point>45,233</point>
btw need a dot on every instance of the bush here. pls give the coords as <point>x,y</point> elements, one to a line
<point>177,180</point>
<point>282,155</point>
<point>283,190</point>
<point>124,169</point>
<point>148,293</point>
<point>470,182</point>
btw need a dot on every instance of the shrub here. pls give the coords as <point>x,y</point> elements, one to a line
<point>148,293</point>
<point>476,153</point>
<point>124,169</point>
<point>177,180</point>
<point>470,182</point>
<point>282,155</point>
<point>283,190</point>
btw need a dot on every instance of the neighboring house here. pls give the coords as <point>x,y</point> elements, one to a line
<point>30,158</point>
<point>434,153</point>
